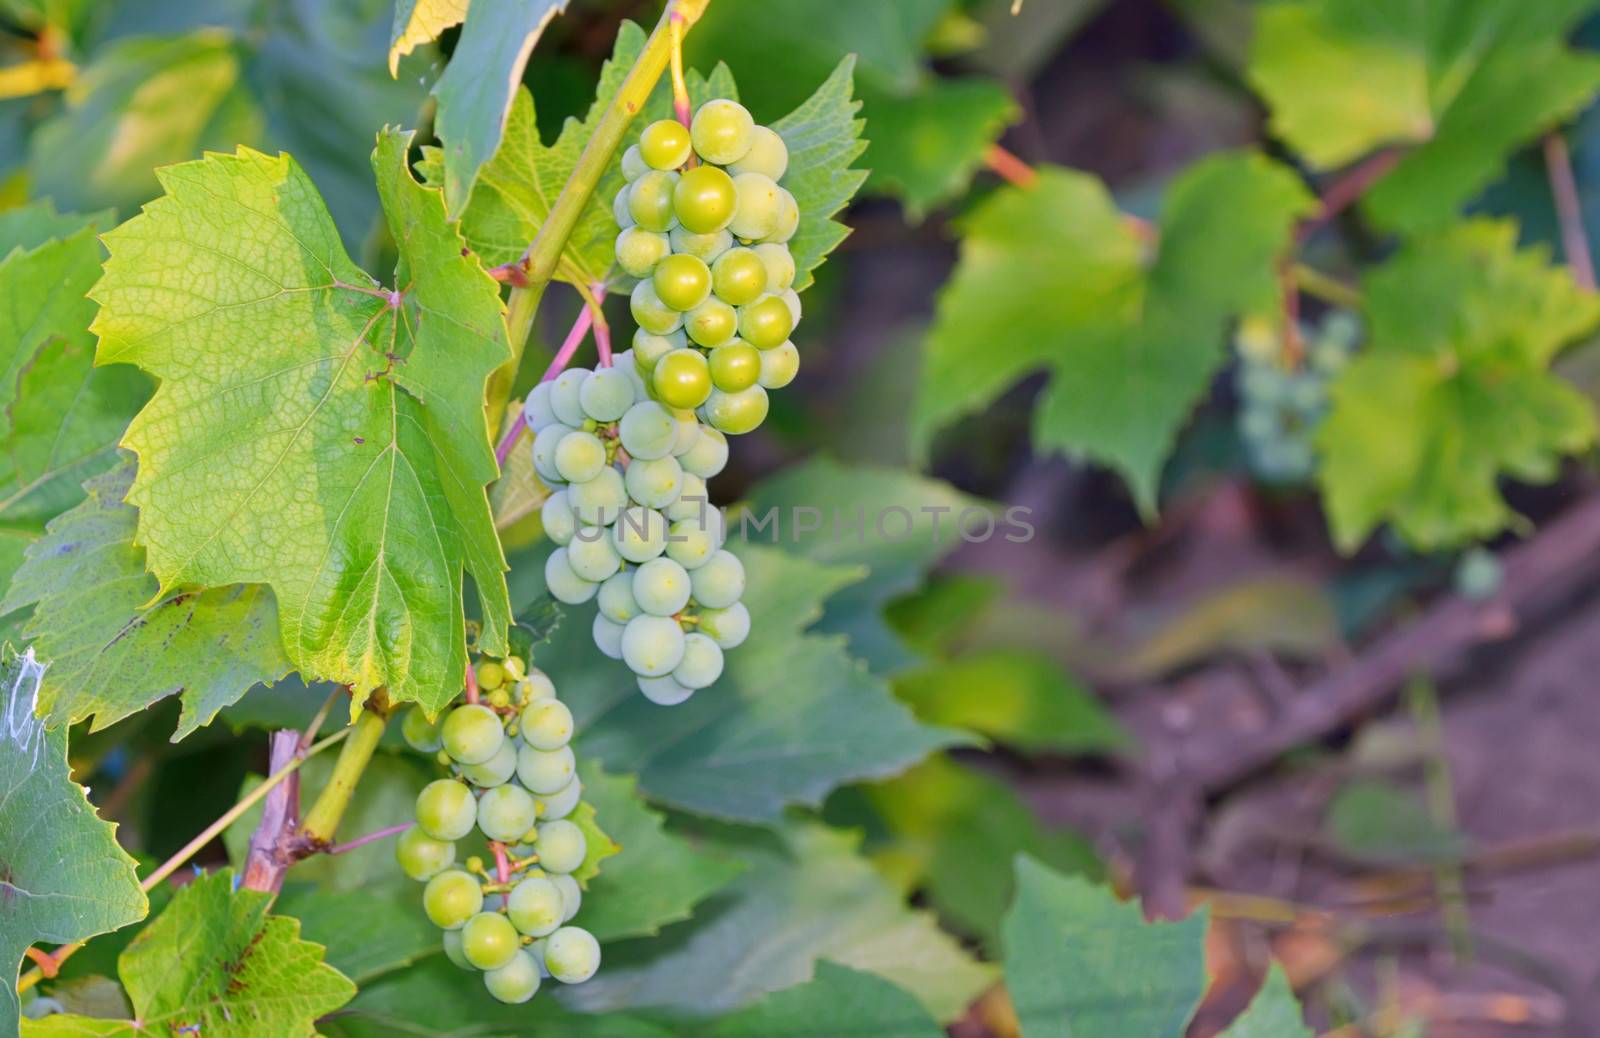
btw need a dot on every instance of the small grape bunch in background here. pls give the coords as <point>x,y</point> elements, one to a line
<point>512,783</point>
<point>1281,406</point>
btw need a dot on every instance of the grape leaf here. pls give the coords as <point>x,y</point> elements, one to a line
<point>823,136</point>
<point>367,932</point>
<point>114,644</point>
<point>44,288</point>
<point>421,21</point>
<point>1131,343</point>
<point>1465,82</point>
<point>312,431</point>
<point>927,146</point>
<point>1273,1013</point>
<point>838,1001</point>
<point>46,822</point>
<point>30,226</point>
<point>1454,391</point>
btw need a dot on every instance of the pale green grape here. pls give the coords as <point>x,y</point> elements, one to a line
<point>451,898</point>
<point>779,262</point>
<point>452,949</point>
<point>564,400</point>
<point>650,200</point>
<point>571,895</point>
<point>654,483</point>
<point>652,645</point>
<point>494,771</point>
<point>708,455</point>
<point>704,247</point>
<point>767,155</point>
<point>649,348</point>
<point>727,627</point>
<point>597,502</point>
<point>788,221</point>
<point>701,664</point>
<point>506,812</point>
<point>544,451</point>
<point>539,685</point>
<point>534,906</point>
<point>664,691</point>
<point>691,542</point>
<point>547,724</point>
<point>515,982</point>
<point>791,299</point>
<point>766,322</point>
<point>561,847</point>
<point>471,733</point>
<point>682,282</point>
<point>591,554</point>
<point>617,603</point>
<point>648,431</point>
<point>607,635</point>
<point>562,583</point>
<point>572,955</point>
<point>703,199</point>
<point>712,323</point>
<point>638,250</point>
<point>688,432</point>
<point>489,941</point>
<point>606,394</point>
<point>720,582</point>
<point>536,409</point>
<point>693,502</point>
<point>734,367</point>
<point>580,456</point>
<point>557,518</point>
<point>664,144</point>
<point>661,587</point>
<point>759,207</point>
<point>739,276</point>
<point>736,413</point>
<point>421,856</point>
<point>650,313</point>
<point>420,733</point>
<point>722,131</point>
<point>545,771</point>
<point>633,164</point>
<point>619,207</point>
<point>640,534</point>
<point>626,364</point>
<point>779,366</point>
<point>681,379</point>
<point>560,805</point>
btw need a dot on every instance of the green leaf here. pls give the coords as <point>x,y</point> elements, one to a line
<point>598,846</point>
<point>823,136</point>
<point>1454,392</point>
<point>30,226</point>
<point>1131,344</point>
<point>115,645</point>
<point>1378,822</point>
<point>314,432</point>
<point>1081,964</point>
<point>1466,82</point>
<point>421,21</point>
<point>1273,1013</point>
<point>478,85</point>
<point>926,147</point>
<point>806,895</point>
<point>367,933</point>
<point>46,822</point>
<point>838,1001</point>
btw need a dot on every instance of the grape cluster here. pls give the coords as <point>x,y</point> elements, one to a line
<point>512,781</point>
<point>1281,407</point>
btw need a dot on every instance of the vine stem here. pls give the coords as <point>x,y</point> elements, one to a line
<point>472,684</point>
<point>558,364</point>
<point>502,865</point>
<point>1569,210</point>
<point>602,330</point>
<point>1008,167</point>
<point>1345,191</point>
<point>323,818</point>
<point>680,89</point>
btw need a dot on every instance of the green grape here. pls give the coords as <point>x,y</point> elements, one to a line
<point>681,379</point>
<point>539,685</point>
<point>490,674</point>
<point>709,454</point>
<point>779,366</point>
<point>420,733</point>
<point>534,906</point>
<point>580,456</point>
<point>544,451</point>
<point>564,399</point>
<point>702,662</point>
<point>572,955</point>
<point>489,941</point>
<point>515,669</point>
<point>638,250</point>
<point>647,431</point>
<point>630,370</point>
<point>1478,574</point>
<point>652,645</point>
<point>496,770</point>
<point>693,501</point>
<point>703,199</point>
<point>654,484</point>
<point>591,554</point>
<point>661,587</point>
<point>720,582</point>
<point>561,847</point>
<point>691,542</point>
<point>664,144</point>
<point>597,502</point>
<point>562,583</point>
<point>722,131</point>
<point>649,348</point>
<point>712,323</point>
<point>421,856</point>
<point>471,733</point>
<point>452,950</point>
<point>688,432</point>
<point>619,207</point>
<point>640,534</point>
<point>736,413</point>
<point>650,313</point>
<point>650,200</point>
<point>617,603</point>
<point>682,282</point>
<point>506,812</point>
<point>779,262</point>
<point>788,221</point>
<point>664,691</point>
<point>633,164</point>
<point>545,771</point>
<point>727,627</point>
<point>607,636</point>
<point>734,367</point>
<point>739,276</point>
<point>446,810</point>
<point>547,724</point>
<point>571,895</point>
<point>536,409</point>
<point>451,898</point>
<point>756,214</point>
<point>556,517</point>
<point>791,299</point>
<point>560,805</point>
<point>704,247</point>
<point>515,982</point>
<point>766,322</point>
<point>767,155</point>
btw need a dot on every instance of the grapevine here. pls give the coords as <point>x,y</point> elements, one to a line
<point>1281,406</point>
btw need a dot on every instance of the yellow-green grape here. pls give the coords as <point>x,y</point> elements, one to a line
<point>421,856</point>
<point>788,221</point>
<point>619,207</point>
<point>739,276</point>
<point>649,348</point>
<point>766,322</point>
<point>561,847</point>
<point>639,250</point>
<point>506,812</point>
<point>664,144</point>
<point>779,366</point>
<point>704,247</point>
<point>500,697</point>
<point>736,413</point>
<point>472,732</point>
<point>572,955</point>
<point>539,685</point>
<point>488,940</point>
<point>547,725</point>
<point>650,200</point>
<point>768,155</point>
<point>688,432</point>
<point>490,675</point>
<point>451,898</point>
<point>515,669</point>
<point>712,323</point>
<point>515,982</point>
<point>420,733</point>
<point>755,216</point>
<point>579,458</point>
<point>722,131</point>
<point>681,379</point>
<point>703,199</point>
<point>535,907</point>
<point>502,765</point>
<point>779,262</point>
<point>734,367</point>
<point>791,299</point>
<point>545,771</point>
<point>633,164</point>
<point>682,282</point>
<point>650,313</point>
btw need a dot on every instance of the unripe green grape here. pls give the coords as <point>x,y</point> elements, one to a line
<point>619,207</point>
<point>563,584</point>
<point>712,323</point>
<point>555,515</point>
<point>649,348</point>
<point>572,955</point>
<point>655,483</point>
<point>490,674</point>
<point>756,214</point>
<point>709,454</point>
<point>722,131</point>
<point>664,691</point>
<point>506,812</point>
<point>545,771</point>
<point>779,366</point>
<point>681,379</point>
<point>421,856</point>
<point>727,627</point>
<point>682,282</point>
<point>650,200</point>
<point>452,950</point>
<point>739,276</point>
<point>765,323</point>
<point>597,502</point>
<point>571,895</point>
<point>640,534</point>
<point>664,144</point>
<point>544,451</point>
<point>701,664</point>
<point>638,250</point>
<point>734,367</point>
<point>564,396</point>
<point>536,409</point>
<point>517,981</point>
<point>736,413</point>
<point>451,898</point>
<point>560,805</point>
<point>420,733</point>
<point>497,769</point>
<point>647,431</point>
<point>779,262</point>
<point>661,587</point>
<point>471,733</point>
<point>704,247</point>
<point>591,554</point>
<point>580,456</point>
<point>630,369</point>
<point>703,199</point>
<point>561,847</point>
<point>768,155</point>
<point>515,669</point>
<point>547,724</point>
<point>633,164</point>
<point>688,432</point>
<point>720,582</point>
<point>788,221</point>
<point>617,603</point>
<point>652,645</point>
<point>692,542</point>
<point>534,906</point>
<point>607,636</point>
<point>489,941</point>
<point>650,313</point>
<point>1478,574</point>
<point>539,685</point>
<point>693,501</point>
<point>791,299</point>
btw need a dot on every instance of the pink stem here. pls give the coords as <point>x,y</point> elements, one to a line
<point>563,357</point>
<point>362,841</point>
<point>602,330</point>
<point>1569,210</point>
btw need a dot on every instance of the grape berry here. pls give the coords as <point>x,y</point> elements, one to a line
<point>1280,407</point>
